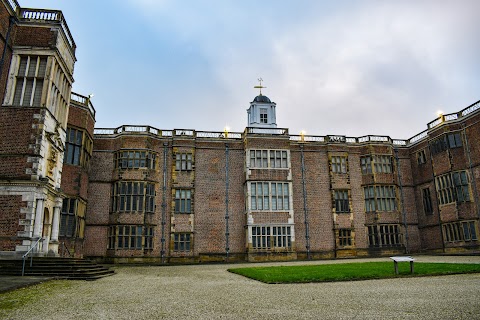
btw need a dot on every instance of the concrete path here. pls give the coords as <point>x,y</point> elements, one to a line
<point>8,283</point>
<point>210,292</point>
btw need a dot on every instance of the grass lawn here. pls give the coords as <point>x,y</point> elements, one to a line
<point>350,271</point>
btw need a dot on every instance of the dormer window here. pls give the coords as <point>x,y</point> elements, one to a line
<point>263,115</point>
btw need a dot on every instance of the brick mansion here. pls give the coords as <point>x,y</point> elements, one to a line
<point>145,194</point>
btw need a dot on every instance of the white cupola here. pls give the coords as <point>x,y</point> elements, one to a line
<point>261,113</point>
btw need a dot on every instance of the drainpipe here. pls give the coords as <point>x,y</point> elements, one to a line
<point>305,208</point>
<point>164,200</point>
<point>402,200</point>
<point>227,233</point>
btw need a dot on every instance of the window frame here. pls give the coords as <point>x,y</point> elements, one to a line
<point>453,187</point>
<point>183,161</point>
<point>269,196</point>
<point>268,158</point>
<point>339,164</point>
<point>32,81</point>
<point>263,113</point>
<point>130,237</point>
<point>427,201</point>
<point>68,223</point>
<point>135,159</point>
<point>183,198</point>
<point>421,157</point>
<point>271,237</point>
<point>78,147</point>
<point>345,238</point>
<point>132,197</point>
<point>380,198</point>
<point>460,231</point>
<point>384,235</point>
<point>366,164</point>
<point>182,242</point>
<point>454,140</point>
<point>383,163</point>
<point>341,199</point>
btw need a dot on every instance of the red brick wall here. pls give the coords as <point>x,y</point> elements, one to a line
<point>16,135</point>
<point>35,36</point>
<point>95,241</point>
<point>210,188</point>
<point>9,218</point>
<point>81,118</point>
<point>4,23</point>
<point>319,202</point>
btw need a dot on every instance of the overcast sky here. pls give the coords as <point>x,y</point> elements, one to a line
<point>333,67</point>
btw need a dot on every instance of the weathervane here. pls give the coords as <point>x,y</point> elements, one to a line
<point>260,86</point>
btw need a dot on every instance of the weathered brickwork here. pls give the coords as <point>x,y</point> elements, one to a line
<point>210,195</point>
<point>10,215</point>
<point>5,25</point>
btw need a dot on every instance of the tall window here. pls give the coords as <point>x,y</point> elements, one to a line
<point>181,242</point>
<point>73,146</point>
<point>421,158</point>
<point>366,164</point>
<point>278,159</point>
<point>132,237</point>
<point>78,148</point>
<point>341,201</point>
<point>133,196</point>
<point>67,218</point>
<point>263,115</point>
<point>454,140</point>
<point>149,238</point>
<point>427,201</point>
<point>269,196</point>
<point>150,197</point>
<point>380,198</point>
<point>460,181</point>
<point>339,164</point>
<point>133,159</point>
<point>385,235</point>
<point>72,218</point>
<point>453,187</point>
<point>460,231</point>
<point>271,237</point>
<point>29,81</point>
<point>344,237</point>
<point>268,159</point>
<point>183,201</point>
<point>183,161</point>
<point>59,92</point>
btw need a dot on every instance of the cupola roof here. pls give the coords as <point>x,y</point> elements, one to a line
<point>262,98</point>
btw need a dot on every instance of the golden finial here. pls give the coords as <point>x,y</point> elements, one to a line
<point>260,86</point>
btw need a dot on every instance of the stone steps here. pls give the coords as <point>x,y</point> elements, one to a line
<point>66,268</point>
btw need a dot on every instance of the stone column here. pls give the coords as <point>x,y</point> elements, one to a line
<point>56,221</point>
<point>37,228</point>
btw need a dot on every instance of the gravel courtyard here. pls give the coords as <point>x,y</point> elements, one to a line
<point>210,292</point>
